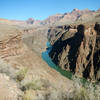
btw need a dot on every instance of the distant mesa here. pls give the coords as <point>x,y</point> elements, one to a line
<point>76,9</point>
<point>30,21</point>
<point>98,10</point>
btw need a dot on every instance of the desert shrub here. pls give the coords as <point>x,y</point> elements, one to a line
<point>87,91</point>
<point>33,84</point>
<point>7,69</point>
<point>29,95</point>
<point>20,75</point>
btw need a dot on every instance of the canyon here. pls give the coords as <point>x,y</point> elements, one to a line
<point>75,47</point>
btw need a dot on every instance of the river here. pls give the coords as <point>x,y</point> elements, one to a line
<point>48,60</point>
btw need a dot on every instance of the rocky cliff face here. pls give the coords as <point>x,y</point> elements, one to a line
<point>11,47</point>
<point>10,42</point>
<point>76,48</point>
<point>52,19</point>
<point>76,15</point>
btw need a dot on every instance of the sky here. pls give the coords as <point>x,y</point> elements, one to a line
<point>41,9</point>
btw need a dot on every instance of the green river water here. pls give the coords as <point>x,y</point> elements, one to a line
<point>48,60</point>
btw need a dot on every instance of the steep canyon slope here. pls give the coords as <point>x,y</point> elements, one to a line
<point>76,48</point>
<point>24,72</point>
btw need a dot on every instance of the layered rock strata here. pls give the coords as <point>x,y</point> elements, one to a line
<point>10,42</point>
<point>77,49</point>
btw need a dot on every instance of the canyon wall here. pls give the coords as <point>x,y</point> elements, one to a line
<point>76,48</point>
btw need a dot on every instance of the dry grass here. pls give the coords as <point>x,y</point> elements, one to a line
<point>20,75</point>
<point>7,69</point>
<point>29,95</point>
<point>86,91</point>
<point>33,84</point>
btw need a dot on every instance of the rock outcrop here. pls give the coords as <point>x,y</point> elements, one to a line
<point>76,15</point>
<point>10,41</point>
<point>32,21</point>
<point>52,19</point>
<point>76,48</point>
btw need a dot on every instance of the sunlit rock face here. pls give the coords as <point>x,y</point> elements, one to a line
<point>10,41</point>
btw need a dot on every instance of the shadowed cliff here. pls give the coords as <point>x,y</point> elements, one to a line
<point>77,49</point>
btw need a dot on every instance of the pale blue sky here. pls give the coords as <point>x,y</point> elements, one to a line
<point>41,9</point>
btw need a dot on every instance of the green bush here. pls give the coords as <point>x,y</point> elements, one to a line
<point>29,95</point>
<point>34,85</point>
<point>21,74</point>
